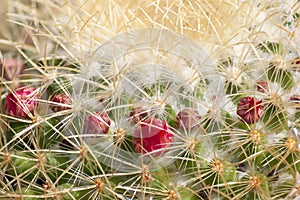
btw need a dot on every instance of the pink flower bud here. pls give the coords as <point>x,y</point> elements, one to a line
<point>187,118</point>
<point>250,109</point>
<point>97,123</point>
<point>61,99</point>
<point>11,68</point>
<point>138,114</point>
<point>152,134</point>
<point>262,86</point>
<point>21,102</point>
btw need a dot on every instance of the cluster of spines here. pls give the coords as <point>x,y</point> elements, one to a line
<point>250,153</point>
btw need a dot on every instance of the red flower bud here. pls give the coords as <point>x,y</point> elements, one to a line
<point>97,123</point>
<point>61,99</point>
<point>21,102</point>
<point>187,118</point>
<point>151,135</point>
<point>250,109</point>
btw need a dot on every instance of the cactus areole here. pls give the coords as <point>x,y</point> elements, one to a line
<point>21,102</point>
<point>152,135</point>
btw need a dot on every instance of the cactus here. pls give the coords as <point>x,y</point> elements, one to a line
<point>150,100</point>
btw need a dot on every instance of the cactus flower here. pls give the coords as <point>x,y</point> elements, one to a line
<point>151,135</point>
<point>11,68</point>
<point>61,99</point>
<point>97,123</point>
<point>250,109</point>
<point>187,118</point>
<point>21,102</point>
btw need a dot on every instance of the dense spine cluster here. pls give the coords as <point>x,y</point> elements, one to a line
<point>151,111</point>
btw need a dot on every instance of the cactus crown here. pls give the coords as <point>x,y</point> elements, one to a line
<point>150,100</point>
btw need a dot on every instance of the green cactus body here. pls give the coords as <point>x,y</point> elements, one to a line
<point>22,165</point>
<point>270,47</point>
<point>283,190</point>
<point>218,172</point>
<point>29,194</point>
<point>192,158</point>
<point>283,77</point>
<point>123,141</point>
<point>252,144</point>
<point>186,194</point>
<point>172,100</point>
<point>275,118</point>
<point>60,85</point>
<point>252,187</point>
<point>45,134</point>
<point>69,194</point>
<point>234,91</point>
<point>286,155</point>
<point>171,116</point>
